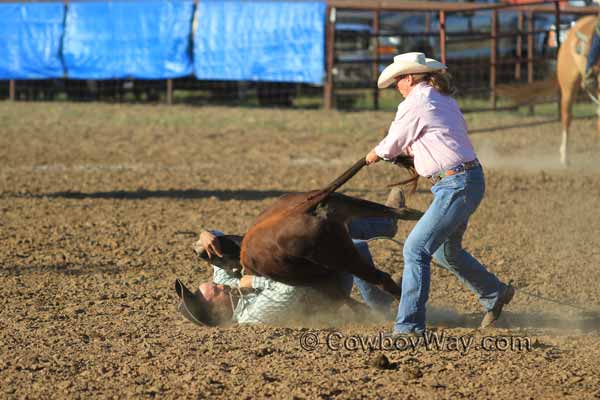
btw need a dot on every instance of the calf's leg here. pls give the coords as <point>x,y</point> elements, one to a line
<point>335,250</point>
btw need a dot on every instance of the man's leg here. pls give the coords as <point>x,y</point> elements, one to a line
<point>367,228</point>
<point>345,281</point>
<point>375,298</point>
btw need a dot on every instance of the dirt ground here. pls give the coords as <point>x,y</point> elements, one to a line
<point>100,205</point>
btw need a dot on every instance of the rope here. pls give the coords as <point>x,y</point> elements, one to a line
<point>562,303</point>
<point>240,297</point>
<point>594,98</point>
<point>404,182</point>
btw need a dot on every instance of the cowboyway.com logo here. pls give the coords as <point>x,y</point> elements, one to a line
<point>430,341</point>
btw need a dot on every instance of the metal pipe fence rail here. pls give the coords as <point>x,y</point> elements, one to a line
<point>524,37</point>
<point>519,55</point>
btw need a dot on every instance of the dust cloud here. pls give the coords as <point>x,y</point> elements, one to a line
<point>532,160</point>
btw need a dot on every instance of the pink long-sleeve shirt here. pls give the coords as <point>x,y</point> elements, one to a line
<point>430,127</point>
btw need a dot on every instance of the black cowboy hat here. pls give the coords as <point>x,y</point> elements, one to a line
<point>230,248</point>
<point>193,306</point>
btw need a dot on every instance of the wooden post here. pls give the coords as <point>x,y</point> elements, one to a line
<point>530,54</point>
<point>376,58</point>
<point>494,58</point>
<point>443,36</point>
<point>557,22</point>
<point>11,90</point>
<point>557,33</point>
<point>169,91</point>
<point>329,48</point>
<point>519,47</point>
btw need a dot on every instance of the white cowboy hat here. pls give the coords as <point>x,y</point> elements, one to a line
<point>407,63</point>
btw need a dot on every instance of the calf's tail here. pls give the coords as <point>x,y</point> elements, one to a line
<point>320,195</point>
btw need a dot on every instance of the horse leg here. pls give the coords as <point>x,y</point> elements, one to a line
<point>566,105</point>
<point>598,112</point>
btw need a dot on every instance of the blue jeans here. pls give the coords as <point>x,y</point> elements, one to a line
<point>594,51</point>
<point>362,229</point>
<point>439,234</point>
<point>367,228</point>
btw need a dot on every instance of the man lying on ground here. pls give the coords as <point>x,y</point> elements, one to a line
<point>231,297</point>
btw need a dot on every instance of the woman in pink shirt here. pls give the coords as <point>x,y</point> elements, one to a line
<point>430,127</point>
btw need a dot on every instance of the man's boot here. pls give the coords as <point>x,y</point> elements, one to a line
<point>396,198</point>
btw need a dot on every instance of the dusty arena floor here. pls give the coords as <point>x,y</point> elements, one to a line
<point>100,205</point>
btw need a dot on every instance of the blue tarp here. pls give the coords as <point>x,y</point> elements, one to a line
<point>30,36</point>
<point>128,39</point>
<point>260,41</point>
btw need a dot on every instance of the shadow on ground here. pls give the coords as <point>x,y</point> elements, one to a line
<point>584,321</point>
<point>188,194</point>
<point>62,268</point>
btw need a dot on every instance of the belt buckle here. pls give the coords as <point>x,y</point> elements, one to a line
<point>461,168</point>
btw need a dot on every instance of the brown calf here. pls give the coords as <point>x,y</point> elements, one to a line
<point>302,239</point>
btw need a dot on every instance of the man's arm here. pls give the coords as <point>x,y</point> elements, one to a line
<point>220,276</point>
<point>209,243</point>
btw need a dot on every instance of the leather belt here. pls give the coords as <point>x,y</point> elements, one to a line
<point>435,178</point>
